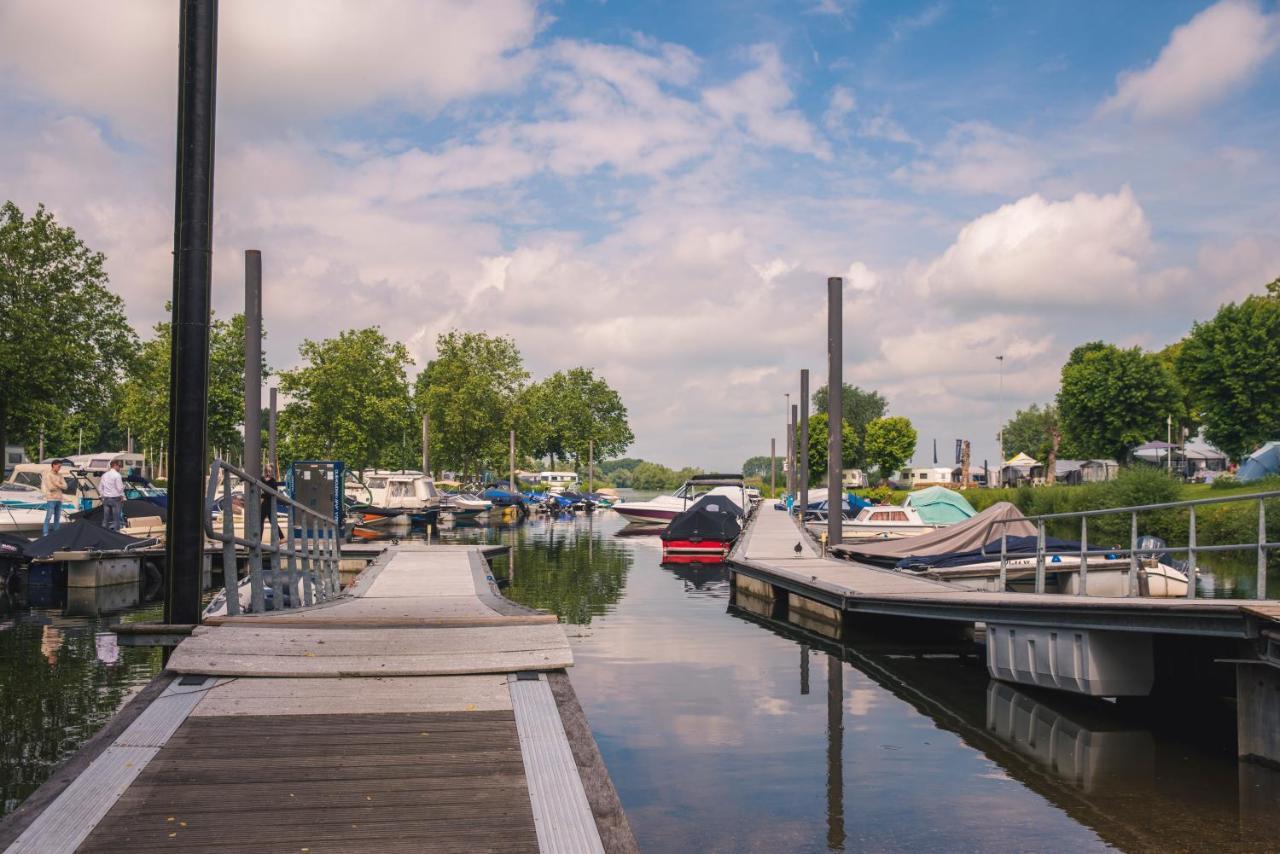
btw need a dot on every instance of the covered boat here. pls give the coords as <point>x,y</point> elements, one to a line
<point>663,508</point>
<point>963,536</point>
<point>938,505</point>
<point>704,533</point>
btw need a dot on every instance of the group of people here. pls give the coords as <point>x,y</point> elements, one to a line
<point>53,484</point>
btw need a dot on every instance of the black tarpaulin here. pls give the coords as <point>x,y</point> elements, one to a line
<point>81,536</point>
<point>711,517</point>
<point>134,508</point>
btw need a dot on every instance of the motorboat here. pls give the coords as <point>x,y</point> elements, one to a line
<point>663,508</point>
<point>463,506</point>
<point>387,496</point>
<point>704,533</point>
<point>1108,572</point>
<point>923,511</point>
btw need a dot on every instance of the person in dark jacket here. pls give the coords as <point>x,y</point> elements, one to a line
<point>268,509</point>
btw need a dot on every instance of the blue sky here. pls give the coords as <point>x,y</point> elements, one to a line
<point>659,190</point>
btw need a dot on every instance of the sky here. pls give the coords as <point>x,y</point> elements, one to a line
<point>659,191</point>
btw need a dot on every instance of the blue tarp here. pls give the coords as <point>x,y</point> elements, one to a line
<point>1264,462</point>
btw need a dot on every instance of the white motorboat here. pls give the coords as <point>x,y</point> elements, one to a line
<point>661,509</point>
<point>395,495</point>
<point>1108,575</point>
<point>881,522</point>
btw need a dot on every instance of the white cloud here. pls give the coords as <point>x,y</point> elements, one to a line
<point>1086,250</point>
<point>279,62</point>
<point>975,158</point>
<point>841,103</point>
<point>1215,52</point>
<point>760,103</point>
<point>860,277</point>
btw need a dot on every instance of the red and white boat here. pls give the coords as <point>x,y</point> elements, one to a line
<point>704,533</point>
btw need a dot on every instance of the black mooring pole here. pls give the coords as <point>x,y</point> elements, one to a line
<point>835,409</point>
<point>802,455</point>
<point>192,261</point>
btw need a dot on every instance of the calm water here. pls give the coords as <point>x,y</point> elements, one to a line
<point>724,731</point>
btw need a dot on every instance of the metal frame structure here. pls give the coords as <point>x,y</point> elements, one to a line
<point>306,563</point>
<point>1260,544</point>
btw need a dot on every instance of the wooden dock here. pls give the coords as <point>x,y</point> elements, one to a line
<point>767,554</point>
<point>421,711</point>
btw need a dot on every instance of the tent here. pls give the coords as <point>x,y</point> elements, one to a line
<point>961,537</point>
<point>1020,459</point>
<point>938,505</point>
<point>1264,462</point>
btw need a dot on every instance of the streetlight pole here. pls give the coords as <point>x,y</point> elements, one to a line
<point>1000,408</point>
<point>791,439</point>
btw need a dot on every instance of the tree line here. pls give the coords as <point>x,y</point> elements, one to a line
<point>1220,378</point>
<point>870,440</point>
<point>72,369</point>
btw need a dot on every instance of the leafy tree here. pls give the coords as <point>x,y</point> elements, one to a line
<point>758,467</point>
<point>1229,366</point>
<point>890,443</point>
<point>471,391</point>
<point>350,401</point>
<point>563,413</point>
<point>860,409</point>
<point>64,339</point>
<point>651,476</point>
<point>818,437</point>
<point>144,399</point>
<point>1031,431</point>
<point>1112,399</point>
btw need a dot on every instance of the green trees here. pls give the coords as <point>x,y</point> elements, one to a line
<point>890,443</point>
<point>758,467</point>
<point>350,402</point>
<point>144,396</point>
<point>471,391</point>
<point>1230,368</point>
<point>860,409</point>
<point>1031,431</point>
<point>818,437</point>
<point>63,336</point>
<point>564,413</point>
<point>1112,399</point>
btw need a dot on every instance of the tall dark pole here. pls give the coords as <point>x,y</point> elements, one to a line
<point>773,468</point>
<point>835,408</point>
<point>835,754</point>
<point>253,362</point>
<point>795,450</point>
<point>786,463</point>
<point>802,455</point>
<point>192,267</point>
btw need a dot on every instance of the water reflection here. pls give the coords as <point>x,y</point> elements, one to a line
<point>720,736</point>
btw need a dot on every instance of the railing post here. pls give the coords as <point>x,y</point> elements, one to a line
<point>292,558</point>
<point>1004,557</point>
<point>1083,574</point>
<point>1132,578</point>
<point>308,576</point>
<point>1191,555</point>
<point>252,501</point>
<point>1040,557</point>
<point>1262,549</point>
<point>230,579</point>
<point>277,580</point>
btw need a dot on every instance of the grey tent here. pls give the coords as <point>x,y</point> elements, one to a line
<point>1264,462</point>
<point>961,537</point>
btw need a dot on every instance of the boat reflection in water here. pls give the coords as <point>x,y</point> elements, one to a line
<point>1141,775</point>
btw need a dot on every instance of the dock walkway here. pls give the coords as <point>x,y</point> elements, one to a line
<point>767,553</point>
<point>421,711</point>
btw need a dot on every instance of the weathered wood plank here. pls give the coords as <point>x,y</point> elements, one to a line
<point>356,696</point>
<point>362,798</point>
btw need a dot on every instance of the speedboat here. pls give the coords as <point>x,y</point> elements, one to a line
<point>464,506</point>
<point>389,496</point>
<point>1108,573</point>
<point>704,533</point>
<point>663,508</point>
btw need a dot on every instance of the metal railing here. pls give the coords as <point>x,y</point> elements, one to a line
<point>298,566</point>
<point>1260,544</point>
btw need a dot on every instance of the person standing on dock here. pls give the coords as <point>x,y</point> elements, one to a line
<point>268,512</point>
<point>52,484</point>
<point>111,488</point>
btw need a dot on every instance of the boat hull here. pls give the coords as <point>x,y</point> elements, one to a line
<point>646,515</point>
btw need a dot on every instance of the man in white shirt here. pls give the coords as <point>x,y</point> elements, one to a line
<point>111,488</point>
